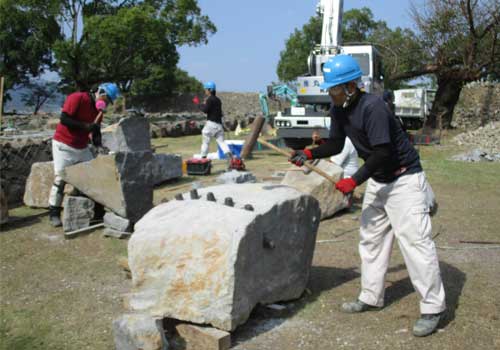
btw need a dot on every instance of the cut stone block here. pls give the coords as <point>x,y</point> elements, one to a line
<point>78,212</point>
<point>166,167</point>
<point>236,177</point>
<point>208,263</point>
<point>130,134</point>
<point>122,182</point>
<point>39,183</point>
<point>330,200</point>
<point>137,332</point>
<point>115,222</point>
<point>109,232</point>
<point>206,338</point>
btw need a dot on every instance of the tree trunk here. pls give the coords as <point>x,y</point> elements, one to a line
<point>447,96</point>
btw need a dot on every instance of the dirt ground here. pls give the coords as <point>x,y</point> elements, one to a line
<point>64,294</point>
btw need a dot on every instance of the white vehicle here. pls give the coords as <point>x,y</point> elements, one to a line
<point>295,125</point>
<point>413,106</point>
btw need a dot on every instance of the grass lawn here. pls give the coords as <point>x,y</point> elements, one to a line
<point>64,294</point>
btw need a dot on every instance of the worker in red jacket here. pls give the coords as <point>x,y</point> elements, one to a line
<point>81,116</point>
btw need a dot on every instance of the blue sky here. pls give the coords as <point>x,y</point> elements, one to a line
<point>242,56</point>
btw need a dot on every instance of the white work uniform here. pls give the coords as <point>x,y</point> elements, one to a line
<point>213,130</point>
<point>399,209</point>
<point>64,156</point>
<point>347,159</point>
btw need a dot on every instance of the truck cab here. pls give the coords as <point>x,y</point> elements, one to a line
<point>412,106</point>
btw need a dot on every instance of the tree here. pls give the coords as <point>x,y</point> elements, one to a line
<point>39,92</point>
<point>459,42</point>
<point>28,28</point>
<point>129,42</point>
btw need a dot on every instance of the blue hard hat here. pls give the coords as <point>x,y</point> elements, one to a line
<point>209,85</point>
<point>111,90</point>
<point>340,69</point>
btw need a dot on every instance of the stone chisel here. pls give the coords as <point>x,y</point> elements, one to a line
<point>306,164</point>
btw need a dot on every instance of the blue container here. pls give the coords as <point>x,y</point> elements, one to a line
<point>235,146</point>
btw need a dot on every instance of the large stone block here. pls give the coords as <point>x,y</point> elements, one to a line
<point>330,200</point>
<point>210,263</point>
<point>166,167</point>
<point>130,134</point>
<point>39,183</point>
<point>78,212</point>
<point>122,182</point>
<point>137,332</point>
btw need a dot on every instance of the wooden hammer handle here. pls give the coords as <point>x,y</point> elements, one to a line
<point>306,164</point>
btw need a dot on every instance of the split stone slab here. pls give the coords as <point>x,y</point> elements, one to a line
<point>116,222</point>
<point>330,200</point>
<point>236,177</point>
<point>78,212</point>
<point>130,134</point>
<point>137,332</point>
<point>208,263</point>
<point>206,338</point>
<point>122,182</point>
<point>166,167</point>
<point>109,232</point>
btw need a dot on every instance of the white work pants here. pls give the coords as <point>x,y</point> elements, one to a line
<point>399,209</point>
<point>213,130</point>
<point>64,156</point>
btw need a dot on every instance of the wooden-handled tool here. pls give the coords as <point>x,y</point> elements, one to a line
<point>306,164</point>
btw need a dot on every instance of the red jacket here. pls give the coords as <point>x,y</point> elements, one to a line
<point>81,106</point>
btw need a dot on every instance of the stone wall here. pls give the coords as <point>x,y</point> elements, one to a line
<point>479,104</point>
<point>17,156</point>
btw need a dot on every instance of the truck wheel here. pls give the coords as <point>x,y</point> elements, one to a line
<point>296,144</point>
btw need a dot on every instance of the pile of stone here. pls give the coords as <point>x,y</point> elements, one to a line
<point>479,104</point>
<point>121,181</point>
<point>215,253</point>
<point>484,140</point>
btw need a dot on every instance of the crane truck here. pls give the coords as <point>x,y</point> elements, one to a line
<point>296,124</point>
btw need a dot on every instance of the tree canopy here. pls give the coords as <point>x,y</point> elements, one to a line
<point>130,42</point>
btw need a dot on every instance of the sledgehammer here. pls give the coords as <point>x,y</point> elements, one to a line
<point>306,164</point>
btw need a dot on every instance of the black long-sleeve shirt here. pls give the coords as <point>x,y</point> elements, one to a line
<point>377,136</point>
<point>213,108</point>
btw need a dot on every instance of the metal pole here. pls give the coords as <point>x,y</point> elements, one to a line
<point>1,101</point>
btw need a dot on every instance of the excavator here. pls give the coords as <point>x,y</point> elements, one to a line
<point>310,112</point>
<point>276,92</point>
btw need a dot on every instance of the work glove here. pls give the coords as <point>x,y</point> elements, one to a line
<point>346,185</point>
<point>299,157</point>
<point>96,135</point>
<point>196,100</point>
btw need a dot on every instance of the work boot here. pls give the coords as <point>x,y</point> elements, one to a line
<point>55,216</point>
<point>356,307</point>
<point>426,324</point>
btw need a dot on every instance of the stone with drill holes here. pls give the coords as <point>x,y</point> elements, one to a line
<point>78,212</point>
<point>208,263</point>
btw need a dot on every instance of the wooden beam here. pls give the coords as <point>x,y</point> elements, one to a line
<point>203,338</point>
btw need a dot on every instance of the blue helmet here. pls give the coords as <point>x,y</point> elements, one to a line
<point>340,69</point>
<point>110,90</point>
<point>209,85</point>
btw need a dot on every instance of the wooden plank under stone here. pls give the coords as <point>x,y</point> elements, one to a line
<point>203,338</point>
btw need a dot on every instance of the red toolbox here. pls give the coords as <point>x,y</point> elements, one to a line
<point>198,166</point>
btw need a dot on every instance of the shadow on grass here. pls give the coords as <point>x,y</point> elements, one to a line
<point>263,319</point>
<point>16,222</point>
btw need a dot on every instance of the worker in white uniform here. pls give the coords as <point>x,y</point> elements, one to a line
<point>396,203</point>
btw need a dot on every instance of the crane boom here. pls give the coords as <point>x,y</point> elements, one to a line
<point>331,33</point>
